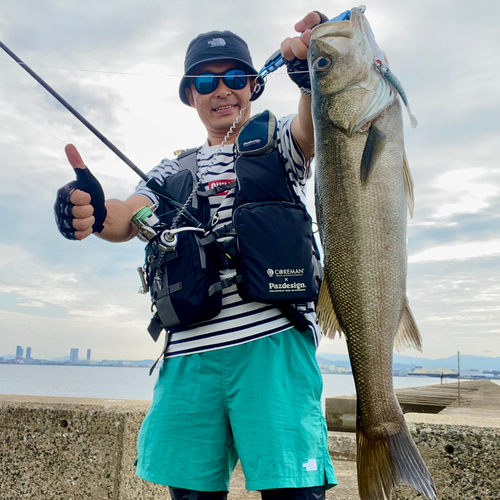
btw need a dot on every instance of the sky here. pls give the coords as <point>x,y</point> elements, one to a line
<point>119,63</point>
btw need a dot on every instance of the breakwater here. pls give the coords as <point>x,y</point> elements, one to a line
<point>85,449</point>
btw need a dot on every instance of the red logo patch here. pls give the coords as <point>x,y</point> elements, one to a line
<point>221,182</point>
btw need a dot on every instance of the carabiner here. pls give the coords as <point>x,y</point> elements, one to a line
<point>272,64</point>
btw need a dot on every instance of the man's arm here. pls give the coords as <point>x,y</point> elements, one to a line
<point>297,47</point>
<point>302,128</point>
<point>117,224</point>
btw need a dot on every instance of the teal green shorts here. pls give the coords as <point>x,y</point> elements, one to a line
<point>259,402</point>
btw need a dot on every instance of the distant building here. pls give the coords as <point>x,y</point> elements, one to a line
<point>28,353</point>
<point>19,353</point>
<point>333,369</point>
<point>73,356</point>
<point>88,354</point>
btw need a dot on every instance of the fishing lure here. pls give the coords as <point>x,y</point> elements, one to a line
<point>392,79</point>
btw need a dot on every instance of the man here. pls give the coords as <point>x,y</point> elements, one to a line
<point>244,385</point>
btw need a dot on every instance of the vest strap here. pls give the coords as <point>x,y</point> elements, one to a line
<point>224,283</point>
<point>217,233</point>
<point>169,290</point>
<point>164,257</point>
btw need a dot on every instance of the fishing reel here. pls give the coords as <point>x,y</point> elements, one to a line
<point>152,228</point>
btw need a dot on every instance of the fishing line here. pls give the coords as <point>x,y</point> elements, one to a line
<point>230,132</point>
<point>76,114</point>
<point>125,73</point>
<point>84,121</point>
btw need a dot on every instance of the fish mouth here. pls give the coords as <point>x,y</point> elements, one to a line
<point>334,28</point>
<point>340,28</point>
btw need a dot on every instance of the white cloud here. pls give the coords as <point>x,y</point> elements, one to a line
<point>25,276</point>
<point>470,195</point>
<point>457,252</point>
<point>31,304</point>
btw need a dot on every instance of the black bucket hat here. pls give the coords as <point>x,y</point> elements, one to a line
<point>217,46</point>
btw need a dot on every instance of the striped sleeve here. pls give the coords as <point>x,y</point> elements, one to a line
<point>295,163</point>
<point>165,169</point>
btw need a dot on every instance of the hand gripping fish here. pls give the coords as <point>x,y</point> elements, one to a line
<point>363,187</point>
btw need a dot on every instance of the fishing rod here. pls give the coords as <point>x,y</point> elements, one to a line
<point>75,113</point>
<point>150,181</point>
<point>272,64</point>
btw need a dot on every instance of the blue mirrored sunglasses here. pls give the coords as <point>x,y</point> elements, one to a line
<point>235,79</point>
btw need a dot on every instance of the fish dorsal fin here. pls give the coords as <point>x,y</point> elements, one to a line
<point>408,334</point>
<point>373,149</point>
<point>408,184</point>
<point>382,97</point>
<point>327,317</point>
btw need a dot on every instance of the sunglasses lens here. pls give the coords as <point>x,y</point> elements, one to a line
<point>205,84</point>
<point>235,79</point>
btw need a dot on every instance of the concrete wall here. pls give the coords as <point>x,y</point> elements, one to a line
<point>74,449</point>
<point>70,449</point>
<point>461,453</point>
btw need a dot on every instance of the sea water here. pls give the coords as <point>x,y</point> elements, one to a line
<point>132,383</point>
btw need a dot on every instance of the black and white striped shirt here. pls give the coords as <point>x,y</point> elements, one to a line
<point>239,321</point>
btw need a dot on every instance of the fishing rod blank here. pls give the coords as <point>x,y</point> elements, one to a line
<point>72,110</point>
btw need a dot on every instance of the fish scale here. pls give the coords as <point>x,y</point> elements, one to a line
<point>363,186</point>
<point>359,264</point>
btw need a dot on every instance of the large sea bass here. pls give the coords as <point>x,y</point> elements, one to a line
<point>363,187</point>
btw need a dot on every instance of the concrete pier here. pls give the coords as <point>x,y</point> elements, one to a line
<point>80,449</point>
<point>471,397</point>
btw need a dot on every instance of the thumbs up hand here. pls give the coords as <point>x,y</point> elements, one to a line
<point>79,207</point>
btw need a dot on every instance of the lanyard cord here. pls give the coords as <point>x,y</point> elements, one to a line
<point>230,132</point>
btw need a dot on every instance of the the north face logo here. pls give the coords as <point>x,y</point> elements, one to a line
<point>310,465</point>
<point>217,42</point>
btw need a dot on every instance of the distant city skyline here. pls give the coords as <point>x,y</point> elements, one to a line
<point>73,354</point>
<point>481,362</point>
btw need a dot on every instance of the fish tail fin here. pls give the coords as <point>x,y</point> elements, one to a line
<point>327,317</point>
<point>408,334</point>
<point>384,463</point>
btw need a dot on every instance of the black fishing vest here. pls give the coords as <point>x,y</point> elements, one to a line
<point>275,255</point>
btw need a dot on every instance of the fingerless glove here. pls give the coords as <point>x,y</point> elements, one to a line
<point>85,181</point>
<point>298,69</point>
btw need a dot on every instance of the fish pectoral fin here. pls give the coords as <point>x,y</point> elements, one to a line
<point>408,184</point>
<point>327,317</point>
<point>408,334</point>
<point>374,146</point>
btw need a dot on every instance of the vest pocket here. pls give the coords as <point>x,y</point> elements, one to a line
<point>275,253</point>
<point>179,284</point>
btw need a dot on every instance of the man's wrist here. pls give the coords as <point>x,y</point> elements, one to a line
<point>298,71</point>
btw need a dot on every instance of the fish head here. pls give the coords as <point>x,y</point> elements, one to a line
<point>344,81</point>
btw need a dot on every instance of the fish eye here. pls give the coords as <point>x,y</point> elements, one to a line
<point>322,64</point>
